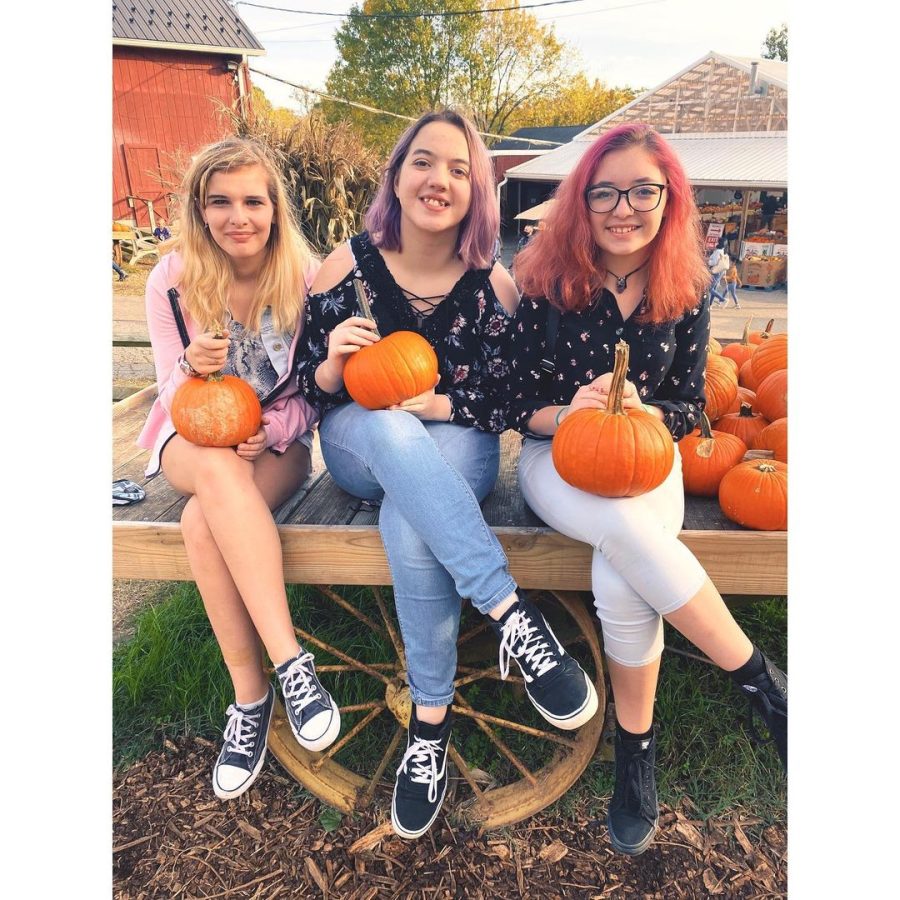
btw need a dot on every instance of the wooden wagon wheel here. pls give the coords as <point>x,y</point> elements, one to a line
<point>537,763</point>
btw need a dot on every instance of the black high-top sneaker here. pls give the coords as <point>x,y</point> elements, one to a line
<point>244,750</point>
<point>422,777</point>
<point>767,693</point>
<point>557,686</point>
<point>310,709</point>
<point>633,811</point>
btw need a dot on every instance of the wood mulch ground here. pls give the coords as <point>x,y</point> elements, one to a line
<point>173,838</point>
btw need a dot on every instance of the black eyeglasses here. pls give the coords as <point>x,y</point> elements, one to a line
<point>641,197</point>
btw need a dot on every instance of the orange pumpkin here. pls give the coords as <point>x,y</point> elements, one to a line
<point>396,368</point>
<point>754,494</point>
<point>769,358</point>
<point>760,337</point>
<point>744,423</point>
<point>772,395</point>
<point>774,437</point>
<point>216,411</point>
<point>743,350</point>
<point>714,346</point>
<point>706,456</point>
<point>746,378</point>
<point>613,452</point>
<point>721,386</point>
<point>744,395</point>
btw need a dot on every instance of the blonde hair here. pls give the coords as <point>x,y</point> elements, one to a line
<point>207,272</point>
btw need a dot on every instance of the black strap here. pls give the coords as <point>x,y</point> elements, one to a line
<point>547,363</point>
<point>172,294</point>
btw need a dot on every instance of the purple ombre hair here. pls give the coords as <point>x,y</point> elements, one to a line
<point>479,228</point>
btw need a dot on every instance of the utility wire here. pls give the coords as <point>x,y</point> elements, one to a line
<point>431,15</point>
<point>384,112</point>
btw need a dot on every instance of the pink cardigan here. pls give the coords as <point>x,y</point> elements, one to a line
<point>290,416</point>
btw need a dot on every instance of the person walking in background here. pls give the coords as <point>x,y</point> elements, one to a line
<point>118,270</point>
<point>718,263</point>
<point>229,297</point>
<point>732,282</point>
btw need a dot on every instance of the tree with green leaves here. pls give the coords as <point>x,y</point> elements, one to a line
<point>776,43</point>
<point>493,66</point>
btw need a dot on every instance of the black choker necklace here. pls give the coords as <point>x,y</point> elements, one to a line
<point>622,280</point>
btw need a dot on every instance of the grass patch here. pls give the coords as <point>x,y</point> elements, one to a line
<point>169,679</point>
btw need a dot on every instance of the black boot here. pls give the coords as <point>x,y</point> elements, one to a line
<point>767,694</point>
<point>633,811</point>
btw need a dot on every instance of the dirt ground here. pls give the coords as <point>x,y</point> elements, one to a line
<point>129,597</point>
<point>173,838</point>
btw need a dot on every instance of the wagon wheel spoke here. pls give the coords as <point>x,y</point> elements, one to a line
<point>470,675</point>
<point>383,667</point>
<point>465,771</point>
<point>363,667</point>
<point>498,743</point>
<point>355,730</point>
<point>514,726</point>
<point>360,707</point>
<point>349,607</point>
<point>391,749</point>
<point>392,632</point>
<point>482,626</point>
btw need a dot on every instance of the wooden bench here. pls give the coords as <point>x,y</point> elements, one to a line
<point>330,537</point>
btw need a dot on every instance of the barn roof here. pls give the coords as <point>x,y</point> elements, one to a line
<point>210,25</point>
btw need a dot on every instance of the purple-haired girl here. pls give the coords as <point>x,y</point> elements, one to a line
<point>425,261</point>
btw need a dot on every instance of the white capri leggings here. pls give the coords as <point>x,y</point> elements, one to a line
<point>640,570</point>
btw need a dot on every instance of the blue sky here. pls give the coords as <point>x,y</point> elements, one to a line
<point>639,43</point>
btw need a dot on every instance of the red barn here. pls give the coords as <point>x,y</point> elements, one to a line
<point>175,64</point>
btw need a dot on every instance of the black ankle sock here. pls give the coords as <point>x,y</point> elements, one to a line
<point>754,666</point>
<point>629,736</point>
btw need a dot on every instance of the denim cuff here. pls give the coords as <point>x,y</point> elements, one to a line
<point>487,607</point>
<point>421,699</point>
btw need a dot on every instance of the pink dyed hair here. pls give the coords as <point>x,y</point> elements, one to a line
<point>562,262</point>
<point>479,228</point>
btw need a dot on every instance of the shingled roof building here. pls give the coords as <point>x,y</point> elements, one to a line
<point>176,64</point>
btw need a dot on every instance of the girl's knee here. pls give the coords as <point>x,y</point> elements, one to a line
<point>218,466</point>
<point>194,528</point>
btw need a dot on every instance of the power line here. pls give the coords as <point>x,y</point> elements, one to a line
<point>431,15</point>
<point>384,112</point>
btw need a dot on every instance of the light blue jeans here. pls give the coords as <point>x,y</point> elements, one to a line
<point>430,477</point>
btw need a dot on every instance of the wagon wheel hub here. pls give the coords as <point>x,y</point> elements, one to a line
<point>399,701</point>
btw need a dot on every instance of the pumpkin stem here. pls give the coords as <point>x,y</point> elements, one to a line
<point>705,444</point>
<point>766,334</point>
<point>745,340</point>
<point>364,303</point>
<point>746,411</point>
<point>620,370</point>
<point>766,467</point>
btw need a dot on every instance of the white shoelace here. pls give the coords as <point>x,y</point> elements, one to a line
<point>240,730</point>
<point>422,756</point>
<point>534,648</point>
<point>299,688</point>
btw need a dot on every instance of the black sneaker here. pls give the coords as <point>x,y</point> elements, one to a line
<point>767,693</point>
<point>422,777</point>
<point>556,685</point>
<point>633,811</point>
<point>244,750</point>
<point>310,709</point>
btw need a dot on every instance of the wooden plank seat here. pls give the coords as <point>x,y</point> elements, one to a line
<point>330,537</point>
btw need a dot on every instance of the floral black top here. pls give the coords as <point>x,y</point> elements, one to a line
<point>666,362</point>
<point>468,330</point>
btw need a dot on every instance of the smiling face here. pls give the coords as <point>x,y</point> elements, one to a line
<point>432,183</point>
<point>622,234</point>
<point>239,212</point>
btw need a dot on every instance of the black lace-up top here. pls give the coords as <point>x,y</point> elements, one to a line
<point>666,362</point>
<point>468,330</point>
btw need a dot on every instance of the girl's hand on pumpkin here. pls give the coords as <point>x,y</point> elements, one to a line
<point>208,352</point>
<point>348,338</point>
<point>425,405</point>
<point>596,394</point>
<point>255,445</point>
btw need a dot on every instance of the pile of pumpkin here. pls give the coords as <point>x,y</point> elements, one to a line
<point>746,402</point>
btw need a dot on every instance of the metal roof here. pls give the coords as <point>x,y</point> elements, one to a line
<point>755,159</point>
<point>211,25</point>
